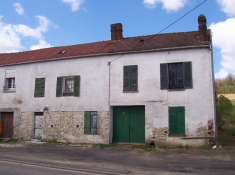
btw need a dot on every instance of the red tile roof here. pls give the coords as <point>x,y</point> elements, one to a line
<point>158,41</point>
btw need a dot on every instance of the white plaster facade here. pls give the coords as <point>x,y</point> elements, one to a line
<point>100,67</point>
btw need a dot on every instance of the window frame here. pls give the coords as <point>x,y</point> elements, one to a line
<point>91,125</point>
<point>10,81</point>
<point>61,86</point>
<point>130,78</point>
<point>39,87</point>
<point>165,77</point>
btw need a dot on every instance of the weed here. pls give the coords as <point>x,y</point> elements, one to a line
<point>229,148</point>
<point>180,147</point>
<point>55,142</point>
<point>146,148</point>
<point>103,145</point>
<point>204,147</point>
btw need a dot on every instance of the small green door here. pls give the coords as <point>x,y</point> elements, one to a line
<point>129,124</point>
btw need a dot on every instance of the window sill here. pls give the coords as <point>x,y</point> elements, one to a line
<point>91,134</point>
<point>176,135</point>
<point>131,91</point>
<point>10,90</point>
<point>180,89</point>
<point>67,94</point>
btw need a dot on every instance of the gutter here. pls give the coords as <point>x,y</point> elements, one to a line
<point>106,54</point>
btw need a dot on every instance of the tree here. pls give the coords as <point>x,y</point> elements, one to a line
<point>225,111</point>
<point>227,85</point>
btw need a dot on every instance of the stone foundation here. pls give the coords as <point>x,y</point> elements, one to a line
<point>24,130</point>
<point>64,125</point>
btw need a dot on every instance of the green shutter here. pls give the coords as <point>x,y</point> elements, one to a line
<point>39,87</point>
<point>76,86</point>
<point>188,81</point>
<point>126,78</point>
<point>87,122</point>
<point>42,87</point>
<point>173,127</point>
<point>59,86</point>
<point>181,120</point>
<point>134,78</point>
<point>164,75</point>
<point>176,120</point>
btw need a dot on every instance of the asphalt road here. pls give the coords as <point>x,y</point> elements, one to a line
<point>9,168</point>
<point>122,160</point>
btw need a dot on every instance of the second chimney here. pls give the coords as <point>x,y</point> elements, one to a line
<point>202,28</point>
<point>116,32</point>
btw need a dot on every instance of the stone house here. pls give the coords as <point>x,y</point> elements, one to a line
<point>156,88</point>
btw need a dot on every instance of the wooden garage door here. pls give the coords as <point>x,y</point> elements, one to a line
<point>129,124</point>
<point>6,125</point>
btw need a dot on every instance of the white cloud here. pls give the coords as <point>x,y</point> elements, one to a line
<point>42,44</point>
<point>228,7</point>
<point>10,41</point>
<point>75,4</point>
<point>11,35</point>
<point>168,5</point>
<point>18,8</point>
<point>224,39</point>
<point>37,32</point>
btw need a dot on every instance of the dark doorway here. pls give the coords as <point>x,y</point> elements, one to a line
<point>6,125</point>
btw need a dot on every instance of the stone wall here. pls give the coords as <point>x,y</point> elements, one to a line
<point>24,130</point>
<point>69,126</point>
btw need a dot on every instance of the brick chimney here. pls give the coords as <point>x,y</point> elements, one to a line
<point>116,32</point>
<point>202,28</point>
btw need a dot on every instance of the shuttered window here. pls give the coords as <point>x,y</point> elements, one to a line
<point>68,86</point>
<point>90,122</point>
<point>176,120</point>
<point>130,78</point>
<point>176,75</point>
<point>39,87</point>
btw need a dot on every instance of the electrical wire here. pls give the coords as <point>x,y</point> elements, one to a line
<point>164,28</point>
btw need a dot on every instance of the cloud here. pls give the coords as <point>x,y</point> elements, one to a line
<point>42,44</point>
<point>168,5</point>
<point>224,39</point>
<point>75,4</point>
<point>37,32</point>
<point>18,8</point>
<point>227,6</point>
<point>11,35</point>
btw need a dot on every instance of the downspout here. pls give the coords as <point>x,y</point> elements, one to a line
<point>214,99</point>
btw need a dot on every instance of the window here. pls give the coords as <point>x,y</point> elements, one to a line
<point>39,87</point>
<point>177,120</point>
<point>9,81</point>
<point>90,122</point>
<point>176,75</point>
<point>68,86</point>
<point>130,78</point>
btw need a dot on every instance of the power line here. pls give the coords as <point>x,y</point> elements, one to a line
<point>165,27</point>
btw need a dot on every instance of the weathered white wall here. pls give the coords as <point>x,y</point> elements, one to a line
<point>93,85</point>
<point>94,94</point>
<point>198,101</point>
<point>94,89</point>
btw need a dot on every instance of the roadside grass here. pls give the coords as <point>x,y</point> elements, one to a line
<point>146,148</point>
<point>55,142</point>
<point>105,145</point>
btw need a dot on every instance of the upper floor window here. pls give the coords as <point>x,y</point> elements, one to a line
<point>176,75</point>
<point>39,87</point>
<point>9,81</point>
<point>68,86</point>
<point>130,78</point>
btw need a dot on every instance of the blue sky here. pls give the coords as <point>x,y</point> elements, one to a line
<point>27,25</point>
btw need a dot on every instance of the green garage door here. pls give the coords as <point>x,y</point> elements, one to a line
<point>129,124</point>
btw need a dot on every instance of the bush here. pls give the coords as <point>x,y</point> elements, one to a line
<point>225,111</point>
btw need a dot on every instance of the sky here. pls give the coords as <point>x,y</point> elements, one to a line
<point>29,25</point>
